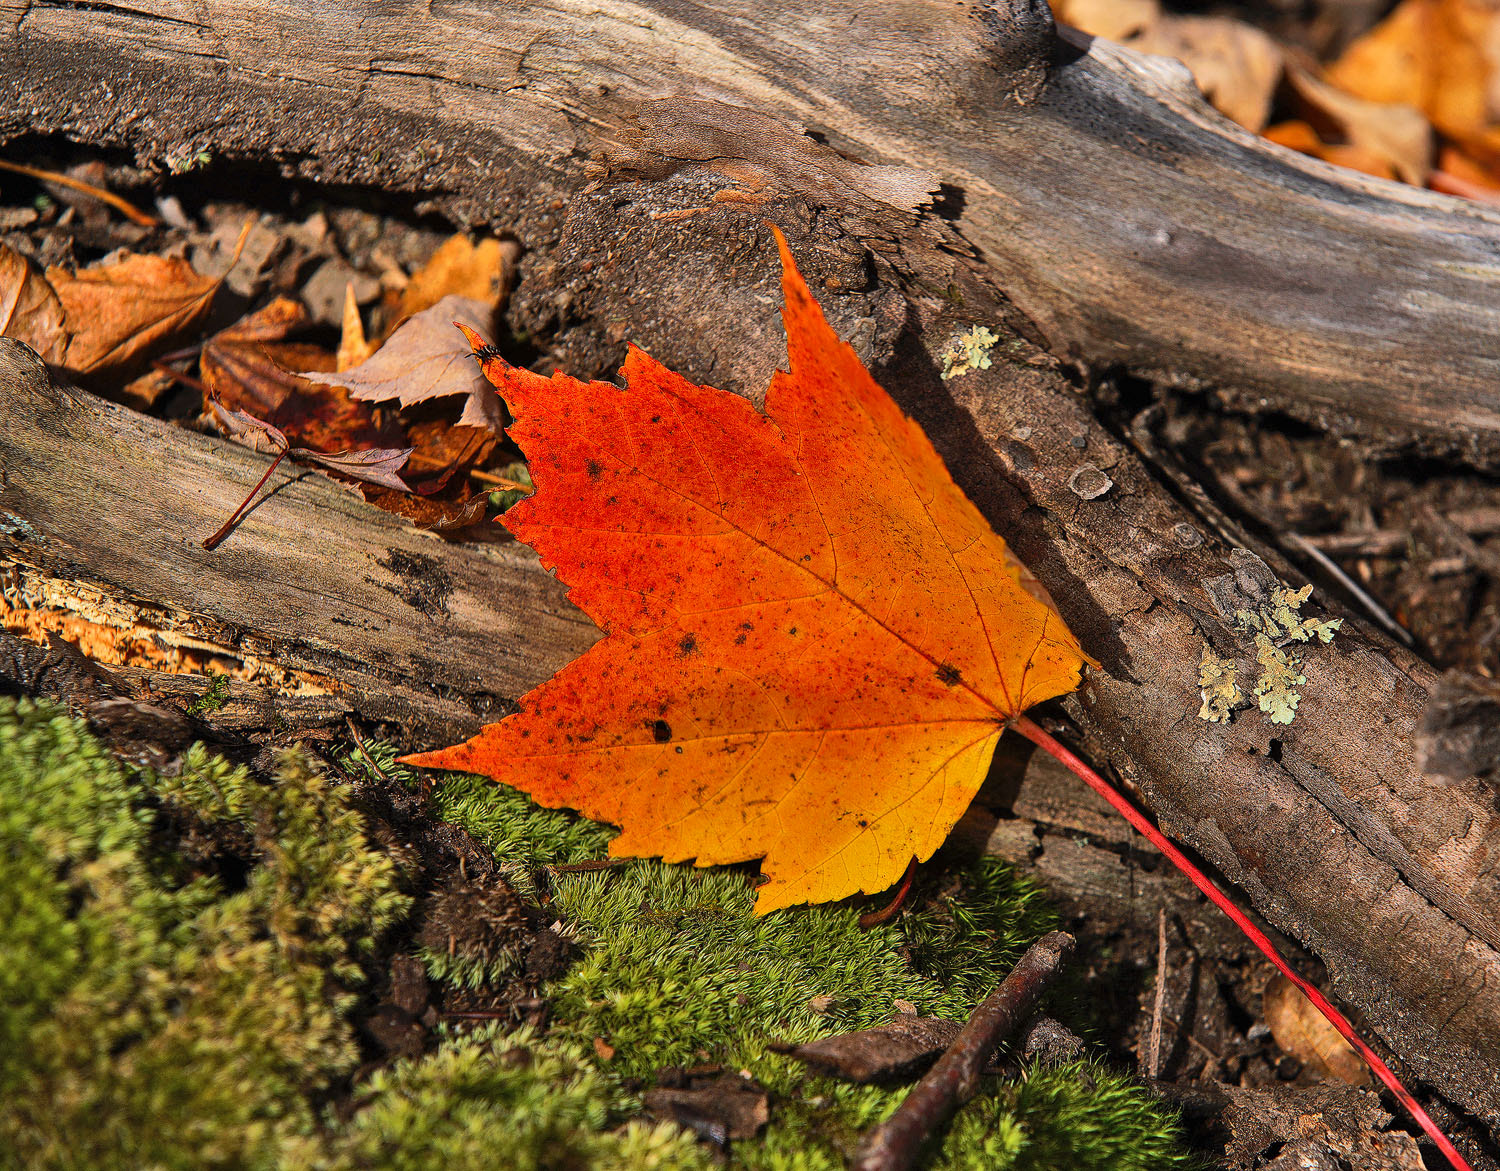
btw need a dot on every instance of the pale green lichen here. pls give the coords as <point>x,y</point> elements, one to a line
<point>1216,683</point>
<point>969,351</point>
<point>1279,619</point>
<point>1276,688</point>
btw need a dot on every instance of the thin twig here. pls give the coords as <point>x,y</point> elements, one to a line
<point>1153,1049</point>
<point>1477,522</point>
<point>365,752</point>
<point>895,1144</point>
<point>127,209</point>
<point>1375,609</point>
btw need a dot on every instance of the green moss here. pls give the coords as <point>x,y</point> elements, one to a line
<point>490,1101</point>
<point>152,1018</point>
<point>153,1023</point>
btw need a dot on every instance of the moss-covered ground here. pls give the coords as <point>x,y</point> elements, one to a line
<point>159,1013</point>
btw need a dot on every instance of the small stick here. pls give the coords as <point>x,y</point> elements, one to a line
<point>895,1144</point>
<point>1375,609</point>
<point>1153,1051</point>
<point>132,213</point>
<point>365,752</point>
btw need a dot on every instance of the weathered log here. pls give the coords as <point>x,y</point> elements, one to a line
<point>1326,824</point>
<point>1092,186</point>
<point>1129,223</point>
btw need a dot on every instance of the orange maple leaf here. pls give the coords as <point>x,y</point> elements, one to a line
<point>813,638</point>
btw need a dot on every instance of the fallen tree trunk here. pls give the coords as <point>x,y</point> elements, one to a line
<point>1326,824</point>
<point>1130,223</point>
<point>1105,206</point>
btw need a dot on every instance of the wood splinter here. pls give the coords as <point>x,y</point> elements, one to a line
<point>895,1144</point>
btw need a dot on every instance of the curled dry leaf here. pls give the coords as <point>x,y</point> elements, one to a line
<point>813,638</point>
<point>376,465</point>
<point>427,358</point>
<point>1300,1030</point>
<point>29,309</point>
<point>119,311</point>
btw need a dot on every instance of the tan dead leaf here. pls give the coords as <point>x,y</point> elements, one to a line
<point>427,358</point>
<point>353,348</point>
<point>1236,66</point>
<point>461,267</point>
<point>1302,1031</point>
<point>1114,20</point>
<point>1440,56</point>
<point>119,311</point>
<point>1372,137</point>
<point>29,309</point>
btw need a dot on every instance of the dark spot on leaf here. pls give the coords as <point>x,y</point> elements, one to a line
<point>679,750</point>
<point>594,468</point>
<point>688,645</point>
<point>793,632</point>
<point>950,675</point>
<point>863,824</point>
<point>739,639</point>
<point>661,731</point>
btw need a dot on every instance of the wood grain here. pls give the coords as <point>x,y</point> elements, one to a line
<point>1134,226</point>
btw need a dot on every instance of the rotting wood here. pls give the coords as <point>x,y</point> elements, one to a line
<point>1326,824</point>
<point>1090,185</point>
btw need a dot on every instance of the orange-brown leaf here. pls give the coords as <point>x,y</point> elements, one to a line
<point>249,367</point>
<point>29,308</point>
<point>119,312</point>
<point>814,639</point>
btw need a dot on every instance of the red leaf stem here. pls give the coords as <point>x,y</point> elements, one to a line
<point>1254,934</point>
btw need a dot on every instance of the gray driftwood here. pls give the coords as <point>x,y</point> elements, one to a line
<point>1131,224</point>
<point>1128,224</point>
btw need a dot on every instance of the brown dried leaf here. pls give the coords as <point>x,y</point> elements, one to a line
<point>249,366</point>
<point>427,358</point>
<point>460,267</point>
<point>1301,1030</point>
<point>727,1108</point>
<point>29,309</point>
<point>245,428</point>
<point>120,311</point>
<point>901,1049</point>
<point>374,465</point>
<point>1375,137</point>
